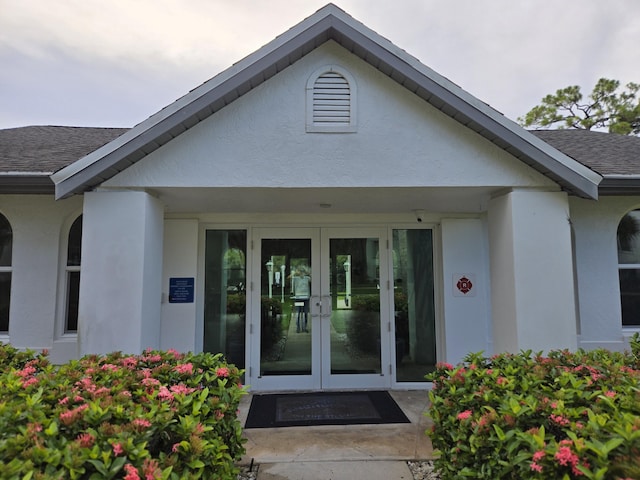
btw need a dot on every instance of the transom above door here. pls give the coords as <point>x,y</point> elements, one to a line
<point>321,312</point>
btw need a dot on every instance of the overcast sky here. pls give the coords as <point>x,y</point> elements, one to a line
<point>113,63</point>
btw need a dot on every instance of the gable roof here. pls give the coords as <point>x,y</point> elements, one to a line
<point>615,157</point>
<point>29,155</point>
<point>328,23</point>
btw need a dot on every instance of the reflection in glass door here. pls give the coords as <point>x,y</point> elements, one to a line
<point>322,297</point>
<point>353,307</point>
<point>285,314</point>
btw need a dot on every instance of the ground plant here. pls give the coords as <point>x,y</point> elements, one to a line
<point>157,415</point>
<point>565,415</point>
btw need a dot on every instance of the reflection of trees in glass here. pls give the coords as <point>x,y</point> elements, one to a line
<point>627,230</point>
<point>6,241</point>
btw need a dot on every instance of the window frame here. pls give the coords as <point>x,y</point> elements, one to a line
<point>627,266</point>
<point>65,279</point>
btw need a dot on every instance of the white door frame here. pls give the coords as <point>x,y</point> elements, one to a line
<point>320,311</point>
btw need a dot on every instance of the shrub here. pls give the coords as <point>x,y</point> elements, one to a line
<point>563,416</point>
<point>160,415</point>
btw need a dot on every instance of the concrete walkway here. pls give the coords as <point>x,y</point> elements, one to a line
<point>372,452</point>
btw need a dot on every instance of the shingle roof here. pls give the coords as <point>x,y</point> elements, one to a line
<point>605,153</point>
<point>47,149</point>
<point>29,155</point>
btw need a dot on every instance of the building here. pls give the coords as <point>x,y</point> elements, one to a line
<point>328,213</point>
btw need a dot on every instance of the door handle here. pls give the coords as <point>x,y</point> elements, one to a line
<point>326,303</point>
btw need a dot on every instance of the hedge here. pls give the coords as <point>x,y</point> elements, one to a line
<point>158,415</point>
<point>561,416</point>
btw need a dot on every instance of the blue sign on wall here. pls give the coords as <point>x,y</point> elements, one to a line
<point>181,290</point>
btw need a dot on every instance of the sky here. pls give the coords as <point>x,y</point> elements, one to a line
<point>114,63</point>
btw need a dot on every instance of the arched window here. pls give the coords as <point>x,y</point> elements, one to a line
<point>6,247</point>
<point>331,101</point>
<point>72,275</point>
<point>629,268</point>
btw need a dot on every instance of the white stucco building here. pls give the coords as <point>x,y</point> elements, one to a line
<point>428,224</point>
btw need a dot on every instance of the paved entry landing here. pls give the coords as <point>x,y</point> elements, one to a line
<point>338,443</point>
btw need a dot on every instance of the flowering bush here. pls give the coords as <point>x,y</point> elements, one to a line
<point>159,415</point>
<point>563,416</point>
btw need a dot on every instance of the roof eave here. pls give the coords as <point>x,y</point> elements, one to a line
<point>620,185</point>
<point>25,184</point>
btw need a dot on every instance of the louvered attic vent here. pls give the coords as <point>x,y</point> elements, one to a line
<point>331,101</point>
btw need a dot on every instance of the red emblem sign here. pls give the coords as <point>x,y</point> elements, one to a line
<point>464,285</point>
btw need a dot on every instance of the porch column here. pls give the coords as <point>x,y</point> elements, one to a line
<point>532,287</point>
<point>120,283</point>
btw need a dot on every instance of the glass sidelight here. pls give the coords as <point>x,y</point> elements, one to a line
<point>414,304</point>
<point>225,303</point>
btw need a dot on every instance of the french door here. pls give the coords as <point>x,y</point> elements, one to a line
<point>319,309</point>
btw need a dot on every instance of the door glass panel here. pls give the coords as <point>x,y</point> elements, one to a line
<point>285,317</point>
<point>225,294</point>
<point>355,306</point>
<point>414,307</point>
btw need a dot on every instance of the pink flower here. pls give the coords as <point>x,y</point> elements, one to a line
<point>129,362</point>
<point>141,423</point>
<point>109,367</point>
<point>175,447</point>
<point>85,440</point>
<point>181,389</point>
<point>132,472</point>
<point>559,420</point>
<point>151,469</point>
<point>565,456</point>
<point>610,393</point>
<point>185,368</point>
<point>26,372</point>
<point>536,467</point>
<point>29,382</point>
<point>464,415</point>
<point>222,372</point>
<point>539,455</point>
<point>219,415</point>
<point>117,449</point>
<point>165,394</point>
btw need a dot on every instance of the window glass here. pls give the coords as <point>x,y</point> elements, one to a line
<point>6,242</point>
<point>629,267</point>
<point>72,300</point>
<point>225,294</point>
<point>6,246</point>
<point>74,247</point>
<point>414,304</point>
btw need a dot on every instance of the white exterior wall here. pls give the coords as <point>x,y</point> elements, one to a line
<point>467,317</point>
<point>260,140</point>
<point>120,285</point>
<point>532,290</point>
<point>37,280</point>
<point>595,226</point>
<point>180,329</point>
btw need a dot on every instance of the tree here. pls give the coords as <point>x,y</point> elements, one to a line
<point>606,108</point>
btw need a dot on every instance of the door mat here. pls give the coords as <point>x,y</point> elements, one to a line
<point>323,408</point>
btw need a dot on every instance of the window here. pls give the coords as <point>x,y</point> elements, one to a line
<point>629,268</point>
<point>72,276</point>
<point>6,247</point>
<point>331,101</point>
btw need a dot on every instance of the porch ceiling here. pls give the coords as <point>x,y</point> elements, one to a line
<point>314,200</point>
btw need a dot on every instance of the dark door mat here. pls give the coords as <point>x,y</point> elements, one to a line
<point>323,408</point>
